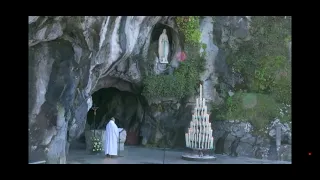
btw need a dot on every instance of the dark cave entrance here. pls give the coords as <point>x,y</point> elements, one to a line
<point>220,146</point>
<point>124,106</point>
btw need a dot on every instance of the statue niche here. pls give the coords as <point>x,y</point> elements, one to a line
<point>163,47</point>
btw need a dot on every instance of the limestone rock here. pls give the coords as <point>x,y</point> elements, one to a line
<point>251,145</point>
<point>211,51</point>
<point>285,131</point>
<point>72,57</point>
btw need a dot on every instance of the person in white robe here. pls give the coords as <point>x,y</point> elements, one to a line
<point>112,136</point>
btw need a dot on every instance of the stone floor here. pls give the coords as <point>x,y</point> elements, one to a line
<point>140,155</point>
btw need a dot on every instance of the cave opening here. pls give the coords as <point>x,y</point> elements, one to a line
<point>126,107</point>
<point>220,146</point>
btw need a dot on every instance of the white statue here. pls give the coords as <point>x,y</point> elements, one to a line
<point>163,47</point>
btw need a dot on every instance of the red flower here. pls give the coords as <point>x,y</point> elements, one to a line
<point>181,56</point>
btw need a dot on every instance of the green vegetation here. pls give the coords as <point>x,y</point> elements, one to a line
<point>263,63</point>
<point>186,77</point>
<point>189,26</point>
<point>255,108</point>
<point>180,84</point>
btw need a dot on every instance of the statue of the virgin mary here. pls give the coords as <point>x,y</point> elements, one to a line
<point>163,47</point>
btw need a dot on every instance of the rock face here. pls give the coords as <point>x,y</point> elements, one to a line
<point>208,77</point>
<point>261,146</point>
<point>69,59</point>
<point>72,57</point>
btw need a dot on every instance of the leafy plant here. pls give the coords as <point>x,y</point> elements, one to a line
<point>263,60</point>
<point>282,89</point>
<point>258,109</point>
<point>182,82</point>
<point>190,28</point>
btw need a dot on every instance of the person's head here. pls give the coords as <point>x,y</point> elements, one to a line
<point>164,31</point>
<point>112,119</point>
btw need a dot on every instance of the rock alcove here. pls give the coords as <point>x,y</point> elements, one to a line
<point>173,38</point>
<point>157,31</point>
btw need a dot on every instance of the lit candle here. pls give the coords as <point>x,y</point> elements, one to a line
<point>199,139</point>
<point>211,142</point>
<point>197,103</point>
<point>190,139</point>
<point>200,92</point>
<point>205,110</point>
<point>204,102</point>
<point>208,141</point>
<point>186,138</point>
<point>195,140</point>
<point>203,141</point>
<point>208,117</point>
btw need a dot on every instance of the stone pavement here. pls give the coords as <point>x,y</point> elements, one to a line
<point>140,155</point>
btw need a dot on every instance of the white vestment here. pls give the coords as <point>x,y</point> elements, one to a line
<point>112,136</point>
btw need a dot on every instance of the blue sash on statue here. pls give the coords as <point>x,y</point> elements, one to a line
<point>164,48</point>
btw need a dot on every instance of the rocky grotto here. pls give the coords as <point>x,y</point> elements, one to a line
<point>243,63</point>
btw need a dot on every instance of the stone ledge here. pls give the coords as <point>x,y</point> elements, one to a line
<point>188,157</point>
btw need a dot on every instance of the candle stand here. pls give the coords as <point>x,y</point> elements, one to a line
<point>199,136</point>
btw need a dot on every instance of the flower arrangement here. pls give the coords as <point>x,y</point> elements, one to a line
<point>96,144</point>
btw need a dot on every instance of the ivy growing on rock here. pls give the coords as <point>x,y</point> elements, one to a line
<point>262,59</point>
<point>189,26</point>
<point>263,63</point>
<point>255,108</point>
